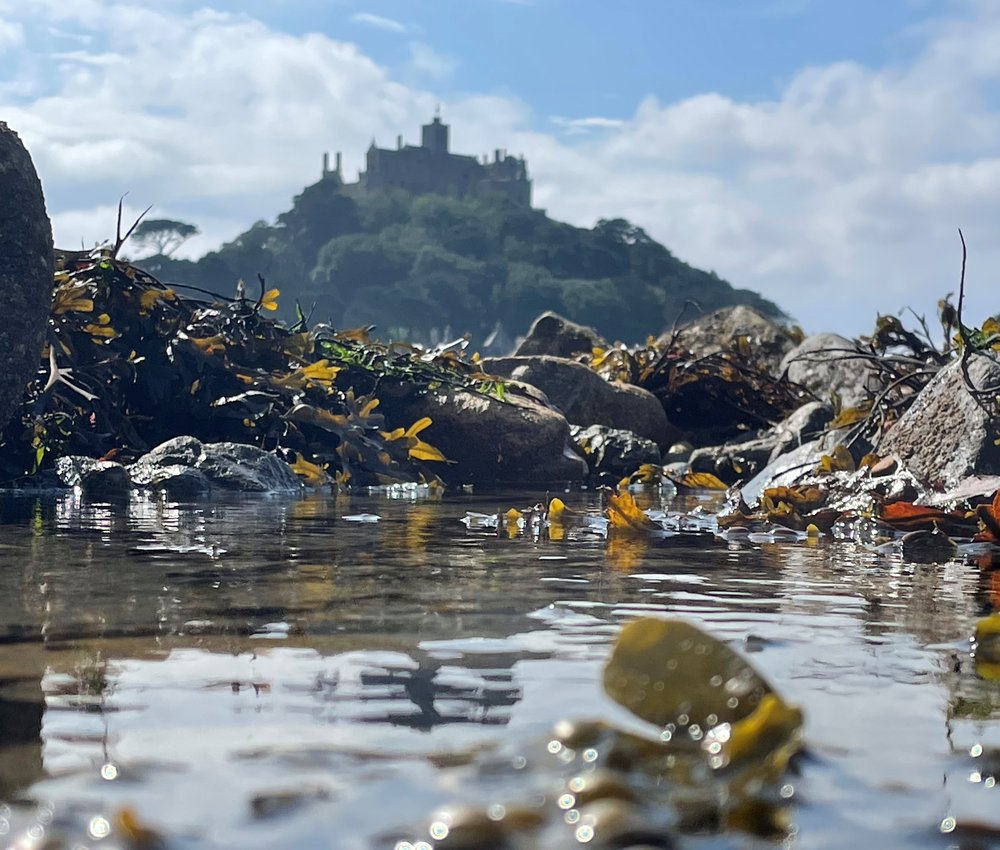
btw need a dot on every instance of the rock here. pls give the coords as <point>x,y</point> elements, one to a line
<point>518,440</point>
<point>743,458</point>
<point>802,426</point>
<point>613,452</point>
<point>947,435</point>
<point>790,467</point>
<point>102,480</point>
<point>973,487</point>
<point>184,467</point>
<point>236,466</point>
<point>551,334</point>
<point>736,460</point>
<point>585,398</point>
<point>720,330</point>
<point>828,364</point>
<point>179,483</point>
<point>678,452</point>
<point>26,270</point>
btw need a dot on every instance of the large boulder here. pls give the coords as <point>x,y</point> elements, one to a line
<point>26,272</point>
<point>948,434</point>
<point>829,364</point>
<point>585,398</point>
<point>515,441</point>
<point>551,334</point>
<point>184,467</point>
<point>722,330</point>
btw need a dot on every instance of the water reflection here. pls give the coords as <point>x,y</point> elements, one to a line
<point>267,650</point>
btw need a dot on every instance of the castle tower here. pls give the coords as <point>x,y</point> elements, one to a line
<point>434,136</point>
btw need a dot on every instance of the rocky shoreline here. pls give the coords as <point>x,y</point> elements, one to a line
<point>141,386</point>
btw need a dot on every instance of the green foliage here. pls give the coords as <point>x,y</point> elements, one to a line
<point>355,257</point>
<point>162,235</point>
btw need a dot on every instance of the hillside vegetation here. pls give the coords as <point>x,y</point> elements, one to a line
<point>411,264</point>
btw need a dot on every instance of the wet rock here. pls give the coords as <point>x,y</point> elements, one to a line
<point>973,487</point>
<point>736,460</point>
<point>928,547</point>
<point>743,458</point>
<point>947,434</point>
<point>26,270</point>
<point>179,483</point>
<point>828,364</point>
<point>613,452</point>
<point>585,398</point>
<point>103,480</point>
<point>185,467</point>
<point>792,466</point>
<point>721,330</point>
<point>885,466</point>
<point>551,334</point>
<point>517,440</point>
<point>182,451</point>
<point>235,466</point>
<point>678,452</point>
<point>802,426</point>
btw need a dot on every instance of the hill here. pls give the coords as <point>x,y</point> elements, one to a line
<point>352,256</point>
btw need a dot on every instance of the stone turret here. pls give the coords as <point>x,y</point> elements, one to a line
<point>434,136</point>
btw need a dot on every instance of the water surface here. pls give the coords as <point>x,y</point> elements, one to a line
<point>264,672</point>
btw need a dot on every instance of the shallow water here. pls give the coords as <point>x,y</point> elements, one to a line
<point>264,673</point>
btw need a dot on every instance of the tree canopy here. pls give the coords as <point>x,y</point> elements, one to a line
<point>412,263</point>
<point>162,236</point>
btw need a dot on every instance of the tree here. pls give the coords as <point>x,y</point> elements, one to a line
<point>162,235</point>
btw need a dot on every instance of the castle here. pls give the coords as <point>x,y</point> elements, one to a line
<point>430,167</point>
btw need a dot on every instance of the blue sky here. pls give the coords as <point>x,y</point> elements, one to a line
<point>823,153</point>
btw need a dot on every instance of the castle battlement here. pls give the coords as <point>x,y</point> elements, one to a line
<point>431,167</point>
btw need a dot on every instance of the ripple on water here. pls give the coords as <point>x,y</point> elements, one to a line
<point>246,673</point>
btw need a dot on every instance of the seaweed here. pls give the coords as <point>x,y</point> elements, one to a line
<point>130,362</point>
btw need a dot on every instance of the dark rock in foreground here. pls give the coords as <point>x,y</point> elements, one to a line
<point>26,270</point>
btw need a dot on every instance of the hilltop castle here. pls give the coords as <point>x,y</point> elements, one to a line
<point>430,167</point>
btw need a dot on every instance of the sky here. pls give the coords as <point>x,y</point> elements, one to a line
<point>822,152</point>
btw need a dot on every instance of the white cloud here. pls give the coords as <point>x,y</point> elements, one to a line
<point>426,61</point>
<point>838,198</point>
<point>11,35</point>
<point>377,21</point>
<point>85,58</point>
<point>583,126</point>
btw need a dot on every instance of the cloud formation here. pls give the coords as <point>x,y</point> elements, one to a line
<point>377,21</point>
<point>838,198</point>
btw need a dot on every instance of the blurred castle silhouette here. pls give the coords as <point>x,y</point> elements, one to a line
<point>430,167</point>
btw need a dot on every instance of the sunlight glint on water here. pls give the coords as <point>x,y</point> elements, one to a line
<point>262,672</point>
